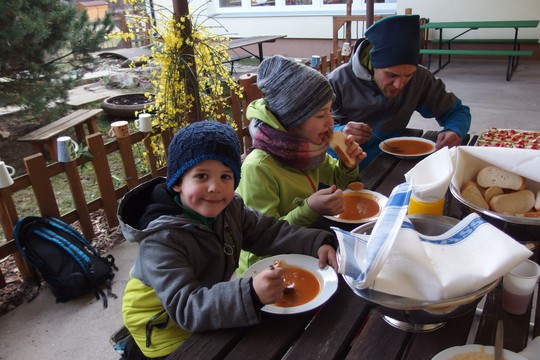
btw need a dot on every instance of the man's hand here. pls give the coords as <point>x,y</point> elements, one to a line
<point>447,138</point>
<point>359,130</point>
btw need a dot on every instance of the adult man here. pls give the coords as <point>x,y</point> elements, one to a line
<point>382,85</point>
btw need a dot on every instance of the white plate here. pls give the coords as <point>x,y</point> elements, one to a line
<point>380,198</point>
<point>403,156</point>
<point>457,350</point>
<point>327,278</point>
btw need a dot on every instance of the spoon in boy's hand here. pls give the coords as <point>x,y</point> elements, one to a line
<point>289,286</point>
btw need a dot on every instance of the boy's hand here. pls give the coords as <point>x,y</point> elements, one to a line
<point>327,201</point>
<point>327,255</point>
<point>268,285</point>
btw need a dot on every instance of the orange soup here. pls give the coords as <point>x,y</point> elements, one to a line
<point>358,206</point>
<point>408,147</point>
<point>306,287</point>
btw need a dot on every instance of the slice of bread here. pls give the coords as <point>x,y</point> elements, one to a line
<point>471,192</point>
<point>495,176</point>
<point>337,142</point>
<point>513,203</point>
<point>492,191</point>
<point>533,214</point>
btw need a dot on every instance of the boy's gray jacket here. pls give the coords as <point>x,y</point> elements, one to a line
<point>189,264</point>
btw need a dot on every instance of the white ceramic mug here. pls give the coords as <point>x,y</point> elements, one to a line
<point>346,49</point>
<point>6,172</point>
<point>119,129</point>
<point>144,122</point>
<point>66,148</point>
<point>315,60</point>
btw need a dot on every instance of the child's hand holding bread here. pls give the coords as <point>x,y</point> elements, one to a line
<point>348,151</point>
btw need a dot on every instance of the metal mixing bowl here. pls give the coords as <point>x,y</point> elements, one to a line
<point>418,315</point>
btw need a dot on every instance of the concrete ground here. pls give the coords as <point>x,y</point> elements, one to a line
<point>80,329</point>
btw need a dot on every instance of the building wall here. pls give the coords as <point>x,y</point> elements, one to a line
<point>308,35</point>
<point>479,10</point>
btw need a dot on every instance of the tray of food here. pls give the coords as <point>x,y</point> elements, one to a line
<point>523,139</point>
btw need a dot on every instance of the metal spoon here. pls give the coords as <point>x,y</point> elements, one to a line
<point>392,147</point>
<point>289,286</point>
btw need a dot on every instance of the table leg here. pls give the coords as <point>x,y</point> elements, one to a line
<point>260,51</point>
<point>513,60</point>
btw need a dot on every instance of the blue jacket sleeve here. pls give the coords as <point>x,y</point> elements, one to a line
<point>456,119</point>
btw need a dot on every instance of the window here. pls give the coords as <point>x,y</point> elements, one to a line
<point>298,6</point>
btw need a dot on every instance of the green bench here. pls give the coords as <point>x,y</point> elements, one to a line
<point>513,56</point>
<point>485,41</point>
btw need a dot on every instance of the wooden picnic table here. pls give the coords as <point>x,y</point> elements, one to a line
<point>243,43</point>
<point>43,140</point>
<point>349,327</point>
<point>513,55</point>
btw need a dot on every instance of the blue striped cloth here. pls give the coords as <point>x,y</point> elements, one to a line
<point>363,260</point>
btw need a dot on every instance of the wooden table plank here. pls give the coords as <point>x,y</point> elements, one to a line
<point>378,340</point>
<point>516,327</point>
<point>454,332</point>
<point>210,345</point>
<point>329,335</point>
<point>272,337</point>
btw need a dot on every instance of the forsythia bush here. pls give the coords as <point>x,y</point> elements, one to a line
<point>189,76</point>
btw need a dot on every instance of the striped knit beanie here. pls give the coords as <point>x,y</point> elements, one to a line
<point>294,91</point>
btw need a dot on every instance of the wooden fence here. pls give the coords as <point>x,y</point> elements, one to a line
<point>39,175</point>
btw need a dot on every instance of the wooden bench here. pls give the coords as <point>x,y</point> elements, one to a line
<point>513,56</point>
<point>43,140</point>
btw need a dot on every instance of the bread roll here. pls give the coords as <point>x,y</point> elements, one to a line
<point>537,202</point>
<point>472,194</point>
<point>337,141</point>
<point>513,203</point>
<point>492,191</point>
<point>495,176</point>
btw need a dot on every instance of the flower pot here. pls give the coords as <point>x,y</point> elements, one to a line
<point>126,105</point>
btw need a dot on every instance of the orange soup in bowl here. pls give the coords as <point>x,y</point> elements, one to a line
<point>305,288</point>
<point>358,206</point>
<point>407,146</point>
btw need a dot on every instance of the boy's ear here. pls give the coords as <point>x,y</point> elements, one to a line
<point>177,187</point>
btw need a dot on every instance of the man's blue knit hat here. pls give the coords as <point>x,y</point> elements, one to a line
<point>201,141</point>
<point>395,40</point>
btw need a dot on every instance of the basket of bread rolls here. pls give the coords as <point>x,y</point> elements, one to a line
<point>495,190</point>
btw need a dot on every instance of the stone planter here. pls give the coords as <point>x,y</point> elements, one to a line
<point>125,106</point>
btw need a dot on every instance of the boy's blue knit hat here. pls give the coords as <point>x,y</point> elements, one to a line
<point>201,141</point>
<point>395,40</point>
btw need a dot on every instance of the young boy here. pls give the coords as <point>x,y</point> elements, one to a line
<point>190,228</point>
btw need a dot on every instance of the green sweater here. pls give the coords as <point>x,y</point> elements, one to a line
<point>271,188</point>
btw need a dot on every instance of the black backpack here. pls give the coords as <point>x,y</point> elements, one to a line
<point>63,258</point>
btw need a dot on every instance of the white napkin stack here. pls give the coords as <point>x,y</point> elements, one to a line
<point>406,263</point>
<point>431,176</point>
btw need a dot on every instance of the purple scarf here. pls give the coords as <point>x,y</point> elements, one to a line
<point>289,150</point>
